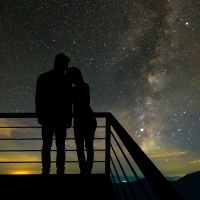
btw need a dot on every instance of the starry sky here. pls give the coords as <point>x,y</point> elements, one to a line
<point>141,59</point>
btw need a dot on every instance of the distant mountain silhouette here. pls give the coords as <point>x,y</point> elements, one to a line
<point>188,187</point>
<point>173,178</point>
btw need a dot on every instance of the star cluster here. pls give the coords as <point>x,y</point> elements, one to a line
<point>141,59</point>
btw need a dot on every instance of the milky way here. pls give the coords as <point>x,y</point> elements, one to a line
<point>141,59</point>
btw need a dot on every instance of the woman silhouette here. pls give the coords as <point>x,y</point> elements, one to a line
<point>84,120</point>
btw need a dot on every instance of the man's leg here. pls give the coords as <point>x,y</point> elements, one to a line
<point>60,145</point>
<point>47,135</point>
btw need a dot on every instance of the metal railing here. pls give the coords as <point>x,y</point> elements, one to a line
<point>132,173</point>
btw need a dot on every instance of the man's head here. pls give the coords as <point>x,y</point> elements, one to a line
<point>61,62</point>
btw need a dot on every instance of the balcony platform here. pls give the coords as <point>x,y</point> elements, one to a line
<point>68,186</point>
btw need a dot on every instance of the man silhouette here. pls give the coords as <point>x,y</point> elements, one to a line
<point>54,111</point>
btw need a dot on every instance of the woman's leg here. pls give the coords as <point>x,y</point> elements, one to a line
<point>79,140</point>
<point>89,140</point>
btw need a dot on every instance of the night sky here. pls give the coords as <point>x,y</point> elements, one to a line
<point>141,59</point>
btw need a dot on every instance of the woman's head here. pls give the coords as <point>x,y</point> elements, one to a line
<point>75,75</point>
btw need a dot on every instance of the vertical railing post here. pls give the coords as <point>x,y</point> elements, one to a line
<point>107,146</point>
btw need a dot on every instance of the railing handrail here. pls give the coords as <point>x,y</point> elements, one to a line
<point>159,183</point>
<point>33,115</point>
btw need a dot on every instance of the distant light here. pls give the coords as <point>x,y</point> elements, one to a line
<point>22,172</point>
<point>141,129</point>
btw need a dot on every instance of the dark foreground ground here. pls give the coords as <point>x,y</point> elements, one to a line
<point>56,187</point>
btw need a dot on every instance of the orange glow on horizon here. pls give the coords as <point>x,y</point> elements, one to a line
<point>22,172</point>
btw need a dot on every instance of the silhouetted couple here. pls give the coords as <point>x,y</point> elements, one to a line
<point>55,101</point>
